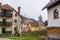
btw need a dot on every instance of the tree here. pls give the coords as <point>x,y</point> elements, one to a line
<point>46,22</point>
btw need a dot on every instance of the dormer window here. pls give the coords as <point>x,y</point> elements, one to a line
<point>56,14</point>
<point>15,14</point>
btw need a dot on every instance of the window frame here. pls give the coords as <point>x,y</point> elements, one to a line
<point>15,14</point>
<point>56,14</point>
<point>15,21</point>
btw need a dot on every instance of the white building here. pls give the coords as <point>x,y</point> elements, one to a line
<point>9,19</point>
<point>53,28</point>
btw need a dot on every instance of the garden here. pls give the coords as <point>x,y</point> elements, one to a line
<point>26,36</point>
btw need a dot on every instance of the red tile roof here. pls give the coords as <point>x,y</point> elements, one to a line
<point>33,24</point>
<point>7,7</point>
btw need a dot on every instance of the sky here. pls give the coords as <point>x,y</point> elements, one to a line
<point>29,8</point>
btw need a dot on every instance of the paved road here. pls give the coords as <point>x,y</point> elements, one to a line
<point>4,39</point>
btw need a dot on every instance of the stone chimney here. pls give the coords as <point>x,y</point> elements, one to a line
<point>19,10</point>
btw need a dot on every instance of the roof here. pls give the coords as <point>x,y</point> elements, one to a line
<point>34,24</point>
<point>7,7</point>
<point>23,17</point>
<point>31,21</point>
<point>51,3</point>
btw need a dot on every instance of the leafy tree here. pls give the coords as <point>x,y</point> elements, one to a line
<point>46,23</point>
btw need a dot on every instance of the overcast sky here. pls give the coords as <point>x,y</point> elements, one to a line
<point>29,8</point>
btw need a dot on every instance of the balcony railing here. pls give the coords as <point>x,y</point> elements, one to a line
<point>6,24</point>
<point>5,15</point>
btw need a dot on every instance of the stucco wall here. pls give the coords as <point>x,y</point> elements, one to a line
<point>8,28</point>
<point>34,28</point>
<point>51,21</point>
<point>18,18</point>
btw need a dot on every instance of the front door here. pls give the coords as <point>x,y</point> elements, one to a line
<point>3,30</point>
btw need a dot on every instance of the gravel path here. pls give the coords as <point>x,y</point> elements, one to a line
<point>4,39</point>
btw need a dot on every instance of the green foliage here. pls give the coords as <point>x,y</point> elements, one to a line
<point>46,22</point>
<point>23,37</point>
<point>29,33</point>
<point>26,36</point>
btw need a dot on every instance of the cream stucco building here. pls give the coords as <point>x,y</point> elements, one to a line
<point>9,19</point>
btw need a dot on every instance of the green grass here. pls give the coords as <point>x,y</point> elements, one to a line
<point>24,37</point>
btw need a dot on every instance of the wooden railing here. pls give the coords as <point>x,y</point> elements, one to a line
<point>6,24</point>
<point>5,15</point>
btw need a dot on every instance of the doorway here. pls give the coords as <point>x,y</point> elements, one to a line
<point>3,30</point>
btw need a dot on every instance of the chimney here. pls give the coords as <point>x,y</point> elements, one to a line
<point>19,10</point>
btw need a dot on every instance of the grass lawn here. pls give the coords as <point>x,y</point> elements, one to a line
<point>24,37</point>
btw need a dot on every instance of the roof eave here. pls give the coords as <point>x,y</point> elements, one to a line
<point>50,4</point>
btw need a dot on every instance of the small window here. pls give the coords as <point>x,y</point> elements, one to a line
<point>56,14</point>
<point>15,21</point>
<point>4,21</point>
<point>15,14</point>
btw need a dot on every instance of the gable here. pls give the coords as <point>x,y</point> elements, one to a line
<point>7,7</point>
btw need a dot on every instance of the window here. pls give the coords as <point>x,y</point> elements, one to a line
<point>4,21</point>
<point>15,21</point>
<point>56,14</point>
<point>4,11</point>
<point>15,14</point>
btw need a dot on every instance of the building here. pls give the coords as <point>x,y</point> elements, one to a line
<point>41,24</point>
<point>33,23</point>
<point>27,27</point>
<point>9,19</point>
<point>53,28</point>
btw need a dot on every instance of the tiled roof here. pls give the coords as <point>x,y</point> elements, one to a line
<point>7,7</point>
<point>51,2</point>
<point>34,24</point>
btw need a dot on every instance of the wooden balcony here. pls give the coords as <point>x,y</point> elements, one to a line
<point>6,24</point>
<point>9,15</point>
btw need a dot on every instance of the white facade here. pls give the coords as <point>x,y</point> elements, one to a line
<point>18,18</point>
<point>51,21</point>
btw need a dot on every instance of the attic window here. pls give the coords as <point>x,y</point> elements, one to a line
<point>15,14</point>
<point>56,14</point>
